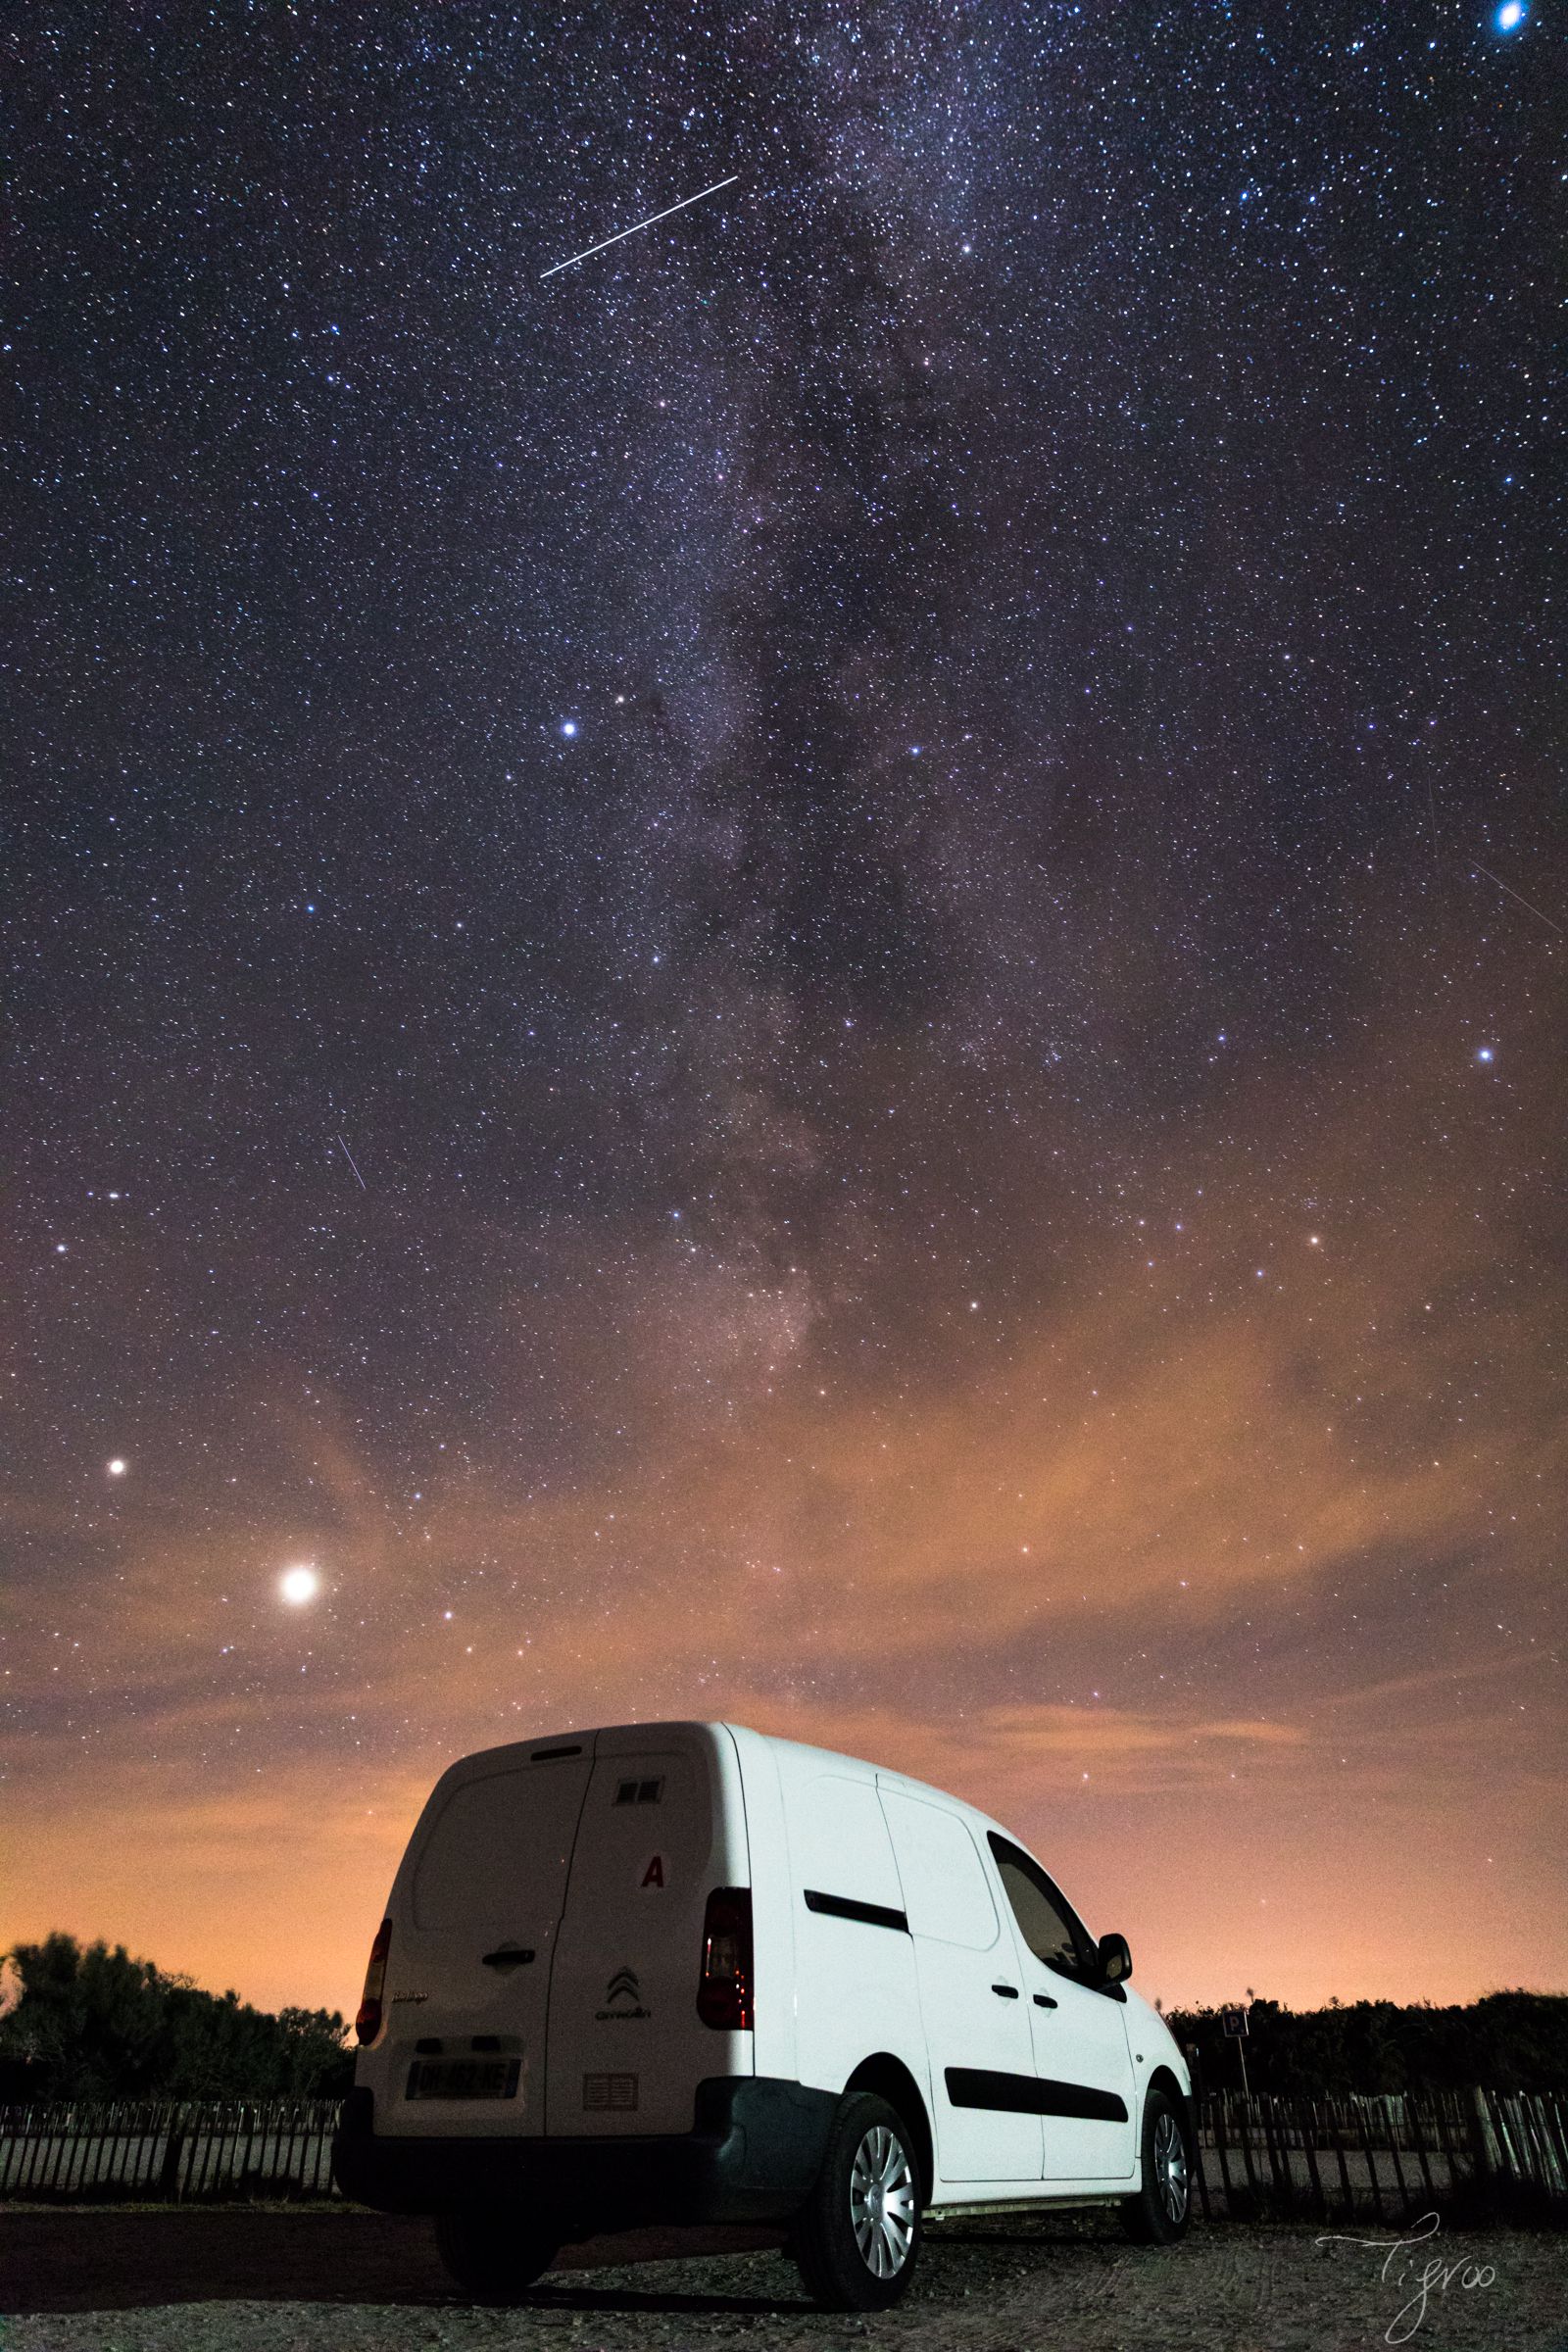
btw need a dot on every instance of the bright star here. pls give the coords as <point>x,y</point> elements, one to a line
<point>117,1468</point>
<point>1510,16</point>
<point>298,1585</point>
<point>569,728</point>
<point>1484,1053</point>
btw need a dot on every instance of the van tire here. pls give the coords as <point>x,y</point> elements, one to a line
<point>1159,2214</point>
<point>494,2252</point>
<point>870,2150</point>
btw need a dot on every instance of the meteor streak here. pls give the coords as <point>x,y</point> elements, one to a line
<point>590,250</point>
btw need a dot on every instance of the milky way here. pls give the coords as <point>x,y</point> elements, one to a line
<point>814,974</point>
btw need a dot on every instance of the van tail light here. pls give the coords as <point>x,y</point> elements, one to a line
<point>368,2024</point>
<point>724,1988</point>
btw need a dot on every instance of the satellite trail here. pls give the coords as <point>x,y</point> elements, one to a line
<point>1516,894</point>
<point>590,250</point>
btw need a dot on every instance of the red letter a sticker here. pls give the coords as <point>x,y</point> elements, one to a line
<point>654,1875</point>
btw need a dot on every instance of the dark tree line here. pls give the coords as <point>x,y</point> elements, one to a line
<point>92,2023</point>
<point>1506,2040</point>
<point>95,2024</point>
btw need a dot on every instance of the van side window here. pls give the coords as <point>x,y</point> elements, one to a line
<point>1047,1921</point>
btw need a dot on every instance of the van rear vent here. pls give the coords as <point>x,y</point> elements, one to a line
<point>613,2094</point>
<point>547,1755</point>
<point>639,1792</point>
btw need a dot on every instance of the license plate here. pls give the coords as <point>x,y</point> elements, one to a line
<point>463,2078</point>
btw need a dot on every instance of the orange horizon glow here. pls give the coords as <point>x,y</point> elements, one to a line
<point>1152,1576</point>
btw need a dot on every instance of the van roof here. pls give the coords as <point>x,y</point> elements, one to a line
<point>621,1737</point>
<point>837,1758</point>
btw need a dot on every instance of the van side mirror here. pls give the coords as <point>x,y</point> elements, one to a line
<point>1115,1960</point>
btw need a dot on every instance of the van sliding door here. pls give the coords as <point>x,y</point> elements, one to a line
<point>976,2020</point>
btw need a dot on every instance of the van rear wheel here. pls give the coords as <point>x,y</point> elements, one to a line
<point>494,2252</point>
<point>858,2236</point>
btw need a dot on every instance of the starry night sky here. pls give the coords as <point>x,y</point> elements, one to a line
<point>815,975</point>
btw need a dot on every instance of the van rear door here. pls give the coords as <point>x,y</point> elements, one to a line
<point>474,1921</point>
<point>627,2048</point>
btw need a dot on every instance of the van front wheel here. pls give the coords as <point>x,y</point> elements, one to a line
<point>495,2254</point>
<point>1158,2215</point>
<point>858,2236</point>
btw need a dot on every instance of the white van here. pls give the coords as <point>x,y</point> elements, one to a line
<point>679,1971</point>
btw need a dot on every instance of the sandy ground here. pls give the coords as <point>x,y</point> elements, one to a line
<point>343,2282</point>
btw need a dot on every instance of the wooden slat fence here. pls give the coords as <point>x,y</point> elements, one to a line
<point>1387,2159</point>
<point>168,2150</point>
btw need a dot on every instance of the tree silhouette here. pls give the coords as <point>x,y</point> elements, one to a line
<point>1506,2040</point>
<point>94,2022</point>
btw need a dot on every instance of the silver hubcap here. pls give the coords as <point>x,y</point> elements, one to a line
<point>882,2204</point>
<point>1170,2167</point>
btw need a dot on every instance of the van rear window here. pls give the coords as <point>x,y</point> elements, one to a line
<point>494,1860</point>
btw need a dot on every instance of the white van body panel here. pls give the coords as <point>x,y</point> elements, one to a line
<point>548,1917</point>
<point>775,2038</point>
<point>662,1821</point>
<point>854,1992</point>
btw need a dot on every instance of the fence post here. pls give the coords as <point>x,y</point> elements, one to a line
<point>1555,2140</point>
<point>1539,2158</point>
<point>1279,2159</point>
<point>169,2175</point>
<point>60,2174</point>
<point>1307,2111</point>
<point>1371,2162</point>
<point>38,2149</point>
<point>1246,2158</point>
<point>1486,2156</point>
<point>1391,2125</point>
<point>1224,2158</point>
<point>1337,2127</point>
<point>1421,2137</point>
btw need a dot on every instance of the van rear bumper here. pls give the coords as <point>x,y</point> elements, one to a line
<point>753,2156</point>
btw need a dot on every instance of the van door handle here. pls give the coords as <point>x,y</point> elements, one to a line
<point>509,1956</point>
<point>1042,2000</point>
<point>1009,1993</point>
